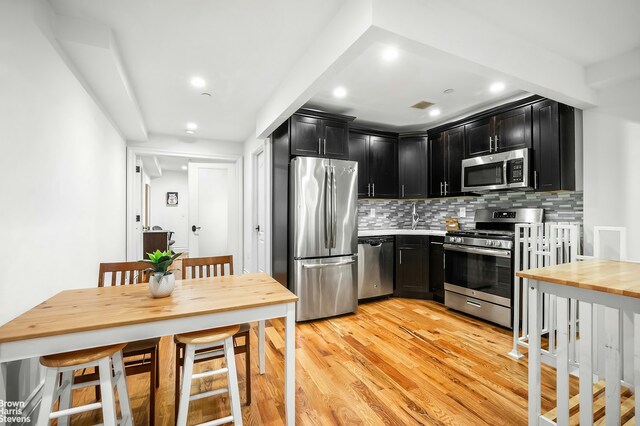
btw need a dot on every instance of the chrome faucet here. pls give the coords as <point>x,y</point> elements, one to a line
<point>415,218</point>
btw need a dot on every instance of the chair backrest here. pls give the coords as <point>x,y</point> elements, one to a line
<point>206,266</point>
<point>130,273</point>
<point>603,247</point>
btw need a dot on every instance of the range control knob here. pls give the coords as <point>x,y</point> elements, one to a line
<point>489,243</point>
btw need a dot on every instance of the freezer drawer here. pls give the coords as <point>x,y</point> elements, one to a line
<point>325,287</point>
<point>375,267</point>
<point>478,308</point>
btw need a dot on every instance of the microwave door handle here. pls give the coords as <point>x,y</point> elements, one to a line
<point>504,173</point>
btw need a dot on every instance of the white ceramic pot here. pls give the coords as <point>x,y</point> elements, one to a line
<point>161,285</point>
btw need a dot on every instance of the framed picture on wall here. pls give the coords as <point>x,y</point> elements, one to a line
<point>172,198</point>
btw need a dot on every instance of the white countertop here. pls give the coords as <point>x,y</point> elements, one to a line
<point>379,232</point>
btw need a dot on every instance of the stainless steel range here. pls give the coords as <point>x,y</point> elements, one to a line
<point>479,265</point>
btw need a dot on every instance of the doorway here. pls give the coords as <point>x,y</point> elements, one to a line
<point>180,192</point>
<point>260,215</point>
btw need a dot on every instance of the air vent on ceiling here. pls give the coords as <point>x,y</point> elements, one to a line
<point>422,105</point>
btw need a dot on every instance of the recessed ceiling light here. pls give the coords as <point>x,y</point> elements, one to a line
<point>184,167</point>
<point>434,112</point>
<point>497,87</point>
<point>340,92</point>
<point>390,54</point>
<point>192,126</point>
<point>190,132</point>
<point>198,82</point>
<point>448,91</point>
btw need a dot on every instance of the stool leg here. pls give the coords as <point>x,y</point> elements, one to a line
<point>66,397</point>
<point>123,393</point>
<point>232,380</point>
<point>50,385</point>
<point>106,388</point>
<point>185,389</point>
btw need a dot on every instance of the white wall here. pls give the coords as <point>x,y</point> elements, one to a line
<point>172,218</point>
<point>62,172</point>
<point>611,168</point>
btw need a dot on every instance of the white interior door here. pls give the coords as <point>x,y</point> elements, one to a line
<point>214,211</point>
<point>261,209</point>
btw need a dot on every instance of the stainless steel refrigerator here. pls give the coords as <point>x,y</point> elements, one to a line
<point>324,236</point>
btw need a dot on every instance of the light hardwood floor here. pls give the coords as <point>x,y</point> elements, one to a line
<point>396,362</point>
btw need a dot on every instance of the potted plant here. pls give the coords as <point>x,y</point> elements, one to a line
<point>162,281</point>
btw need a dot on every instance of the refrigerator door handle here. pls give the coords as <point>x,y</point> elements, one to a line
<point>327,208</point>
<point>334,206</point>
<point>326,265</point>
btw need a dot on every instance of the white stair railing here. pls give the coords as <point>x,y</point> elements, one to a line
<point>598,340</point>
<point>537,246</point>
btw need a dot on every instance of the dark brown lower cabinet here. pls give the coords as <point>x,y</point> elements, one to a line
<point>436,268</point>
<point>420,267</point>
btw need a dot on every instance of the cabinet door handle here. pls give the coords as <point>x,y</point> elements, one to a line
<point>368,190</point>
<point>446,186</point>
<point>373,189</point>
<point>441,190</point>
<point>402,191</point>
<point>535,180</point>
<point>324,146</point>
<point>496,140</point>
<point>319,146</point>
<point>490,144</point>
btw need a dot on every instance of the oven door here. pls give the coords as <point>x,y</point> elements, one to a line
<point>482,273</point>
<point>480,174</point>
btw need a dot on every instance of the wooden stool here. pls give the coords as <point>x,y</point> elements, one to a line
<point>202,339</point>
<point>67,363</point>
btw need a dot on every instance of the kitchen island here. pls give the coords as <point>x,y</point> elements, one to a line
<point>607,296</point>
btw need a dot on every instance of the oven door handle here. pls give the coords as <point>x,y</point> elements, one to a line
<point>475,250</point>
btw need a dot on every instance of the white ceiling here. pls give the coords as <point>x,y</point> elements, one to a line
<point>242,48</point>
<point>583,31</point>
<point>247,49</point>
<point>383,92</point>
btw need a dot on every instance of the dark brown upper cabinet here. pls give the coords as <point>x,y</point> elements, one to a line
<point>505,131</point>
<point>319,136</point>
<point>377,157</point>
<point>553,146</point>
<point>446,151</point>
<point>412,167</point>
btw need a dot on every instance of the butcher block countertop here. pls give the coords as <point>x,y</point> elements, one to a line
<point>88,309</point>
<point>608,276</point>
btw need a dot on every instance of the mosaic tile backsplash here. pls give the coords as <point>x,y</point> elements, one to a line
<point>396,214</point>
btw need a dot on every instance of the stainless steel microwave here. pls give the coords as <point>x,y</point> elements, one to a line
<point>502,170</point>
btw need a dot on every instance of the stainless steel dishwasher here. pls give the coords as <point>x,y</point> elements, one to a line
<point>375,266</point>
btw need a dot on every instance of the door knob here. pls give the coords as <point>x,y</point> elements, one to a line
<point>196,228</point>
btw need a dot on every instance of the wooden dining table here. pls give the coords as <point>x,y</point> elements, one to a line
<point>92,317</point>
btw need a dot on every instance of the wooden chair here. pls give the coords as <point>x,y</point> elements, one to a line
<point>141,356</point>
<point>201,267</point>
